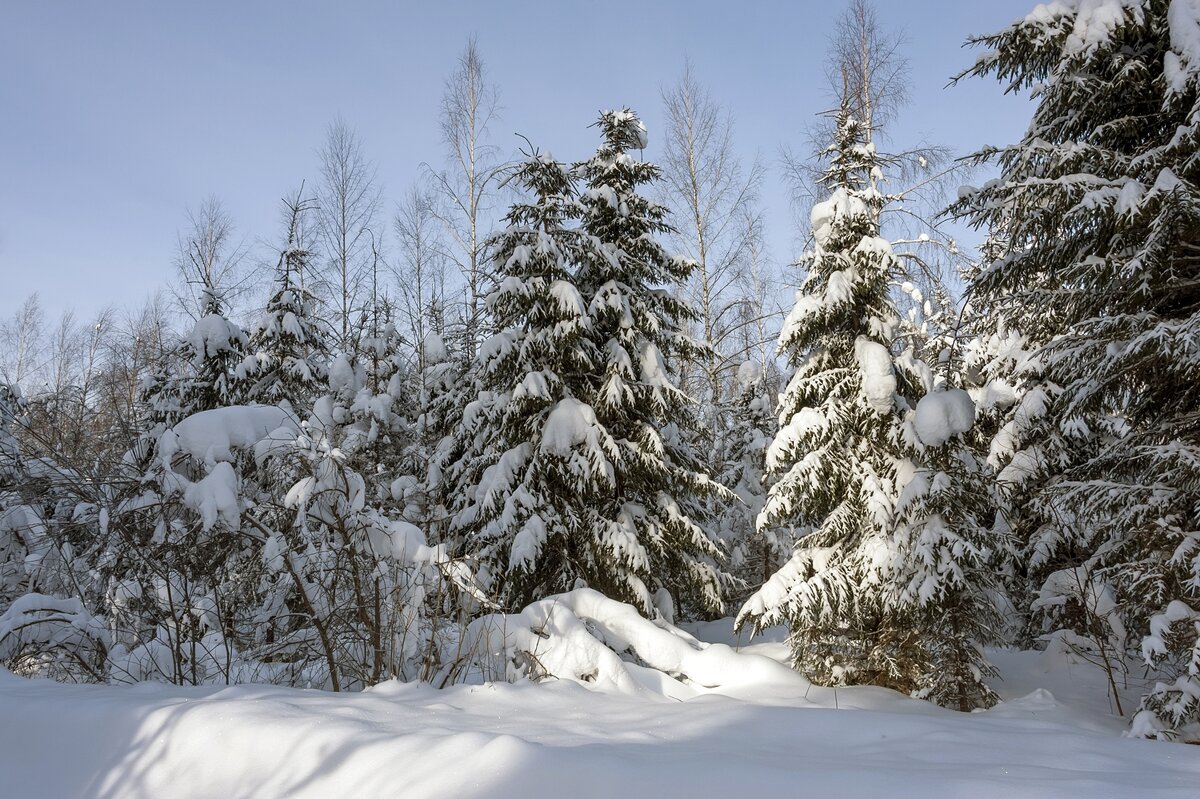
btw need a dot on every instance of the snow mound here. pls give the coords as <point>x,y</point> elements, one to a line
<point>943,415</point>
<point>569,424</point>
<point>826,213</point>
<point>214,334</point>
<point>214,436</point>
<point>748,373</point>
<point>560,738</point>
<point>878,374</point>
<point>584,637</point>
<point>1181,64</point>
<point>434,349</point>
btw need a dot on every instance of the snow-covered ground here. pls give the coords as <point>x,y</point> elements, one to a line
<point>565,739</point>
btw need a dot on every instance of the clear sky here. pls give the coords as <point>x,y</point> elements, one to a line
<point>115,117</point>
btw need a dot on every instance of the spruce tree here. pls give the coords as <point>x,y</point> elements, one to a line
<point>838,447</point>
<point>742,449</point>
<point>214,348</point>
<point>649,527</point>
<point>287,361</point>
<point>889,583</point>
<point>199,374</point>
<point>1099,202</point>
<point>940,581</point>
<point>435,403</point>
<point>572,450</point>
<point>531,455</point>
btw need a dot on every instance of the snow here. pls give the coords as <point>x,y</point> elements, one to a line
<point>765,734</point>
<point>434,349</point>
<point>48,621</point>
<point>212,436</point>
<point>1182,63</point>
<point>1093,21</point>
<point>942,415</point>
<point>878,374</point>
<point>1130,197</point>
<point>569,424</point>
<point>824,214</point>
<point>748,373</point>
<point>215,498</point>
<point>629,120</point>
<point>214,334</point>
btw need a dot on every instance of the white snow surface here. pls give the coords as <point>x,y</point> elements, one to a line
<point>214,334</point>
<point>841,203</point>
<point>742,725</point>
<point>213,436</point>
<point>878,374</point>
<point>569,424</point>
<point>942,415</point>
<point>1182,62</point>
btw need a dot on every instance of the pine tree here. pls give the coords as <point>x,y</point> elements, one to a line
<point>1099,201</point>
<point>649,526</point>
<point>573,447</point>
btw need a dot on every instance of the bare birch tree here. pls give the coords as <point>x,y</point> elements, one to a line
<point>348,201</point>
<point>469,105</point>
<point>868,77</point>
<point>23,343</point>
<point>866,69</point>
<point>714,202</point>
<point>419,268</point>
<point>208,258</point>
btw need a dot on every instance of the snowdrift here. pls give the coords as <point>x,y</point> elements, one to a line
<point>620,706</point>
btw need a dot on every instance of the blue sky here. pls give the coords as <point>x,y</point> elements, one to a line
<point>118,116</point>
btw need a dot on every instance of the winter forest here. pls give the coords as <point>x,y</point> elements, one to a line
<point>558,426</point>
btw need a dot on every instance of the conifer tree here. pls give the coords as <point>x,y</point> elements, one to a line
<point>531,453</point>
<point>754,554</point>
<point>1099,202</point>
<point>214,348</point>
<point>288,357</point>
<point>200,373</point>
<point>434,403</point>
<point>940,581</point>
<point>650,524</point>
<point>573,448</point>
<point>838,447</point>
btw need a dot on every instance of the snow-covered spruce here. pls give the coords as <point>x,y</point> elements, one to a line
<point>288,358</point>
<point>652,520</point>
<point>754,554</point>
<point>1099,202</point>
<point>571,451</point>
<point>206,358</point>
<point>882,584</point>
<point>531,461</point>
<point>436,397</point>
<point>940,575</point>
